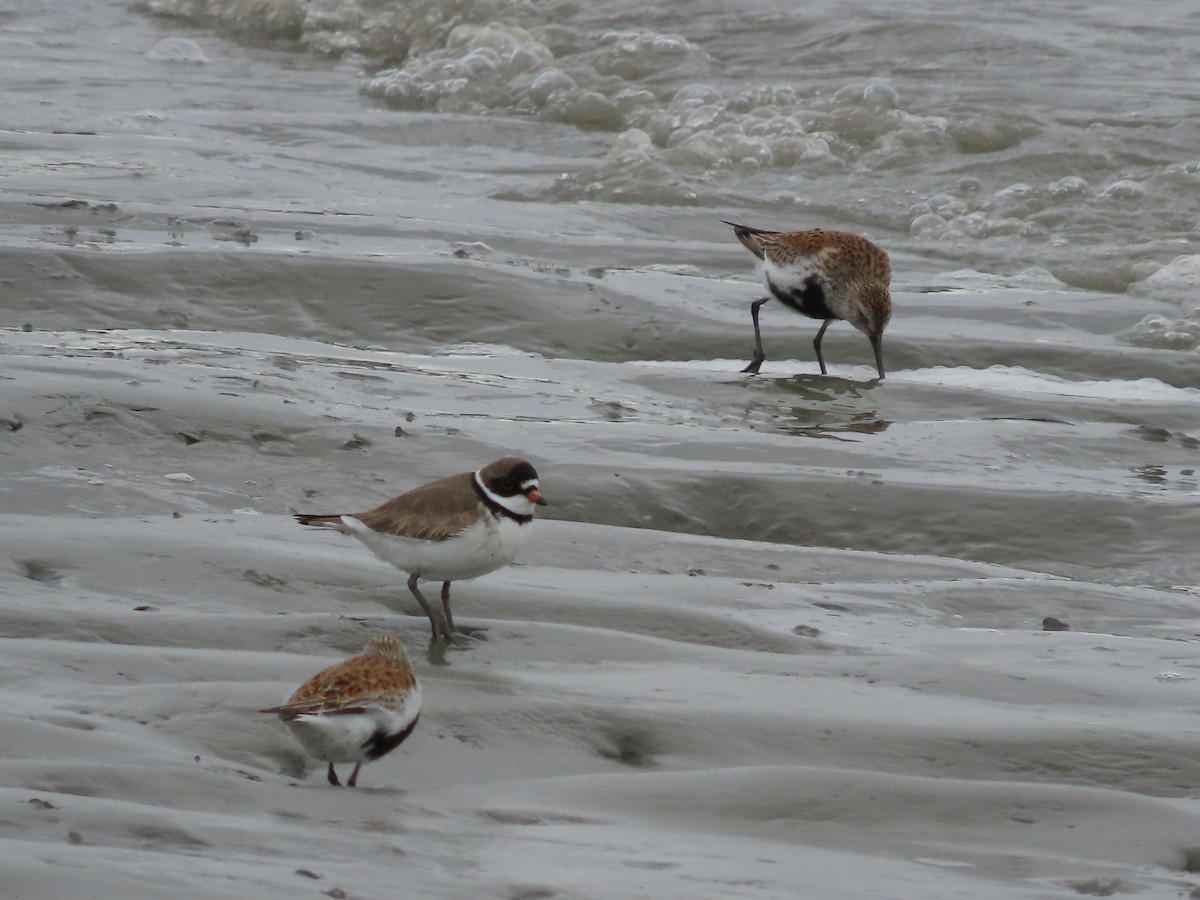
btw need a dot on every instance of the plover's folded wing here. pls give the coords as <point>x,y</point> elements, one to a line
<point>432,512</point>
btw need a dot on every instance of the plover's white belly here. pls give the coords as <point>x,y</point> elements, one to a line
<point>474,551</point>
<point>348,737</point>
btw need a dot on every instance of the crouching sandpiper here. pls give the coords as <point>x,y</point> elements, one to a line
<point>358,710</point>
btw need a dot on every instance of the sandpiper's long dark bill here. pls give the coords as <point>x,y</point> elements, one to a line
<point>456,528</point>
<point>358,710</point>
<point>826,275</point>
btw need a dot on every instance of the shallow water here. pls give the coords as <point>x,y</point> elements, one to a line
<point>776,630</point>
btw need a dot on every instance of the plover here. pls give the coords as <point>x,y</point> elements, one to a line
<point>824,275</point>
<point>357,710</point>
<point>459,527</point>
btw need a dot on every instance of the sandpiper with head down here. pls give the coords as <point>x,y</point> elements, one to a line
<point>456,528</point>
<point>357,710</point>
<point>824,275</point>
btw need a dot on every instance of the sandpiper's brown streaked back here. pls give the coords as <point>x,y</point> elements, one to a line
<point>824,275</point>
<point>357,710</point>
<point>452,529</point>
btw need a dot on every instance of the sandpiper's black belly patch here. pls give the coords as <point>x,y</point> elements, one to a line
<point>809,299</point>
<point>381,743</point>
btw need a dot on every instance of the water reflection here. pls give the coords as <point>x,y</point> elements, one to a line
<point>814,406</point>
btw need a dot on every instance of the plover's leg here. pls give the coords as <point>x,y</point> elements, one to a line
<point>439,626</point>
<point>759,356</point>
<point>353,782</point>
<point>332,776</point>
<point>877,346</point>
<point>817,345</point>
<point>470,632</point>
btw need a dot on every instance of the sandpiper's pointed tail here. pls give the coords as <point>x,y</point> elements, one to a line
<point>750,236</point>
<point>321,521</point>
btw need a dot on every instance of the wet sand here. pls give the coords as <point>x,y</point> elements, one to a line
<point>653,713</point>
<point>775,636</point>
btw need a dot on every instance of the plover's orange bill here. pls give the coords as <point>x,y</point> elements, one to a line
<point>824,275</point>
<point>459,527</point>
<point>357,710</point>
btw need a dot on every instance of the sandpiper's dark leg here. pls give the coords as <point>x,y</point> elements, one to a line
<point>817,345</point>
<point>877,346</point>
<point>470,632</point>
<point>353,782</point>
<point>759,356</point>
<point>446,605</point>
<point>332,776</point>
<point>434,620</point>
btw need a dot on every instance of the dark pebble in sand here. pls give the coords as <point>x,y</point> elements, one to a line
<point>40,803</point>
<point>66,204</point>
<point>336,894</point>
<point>74,837</point>
<point>308,874</point>
<point>27,328</point>
<point>1052,624</point>
<point>1102,887</point>
<point>145,609</point>
<point>1153,433</point>
<point>832,607</point>
<point>262,579</point>
<point>806,631</point>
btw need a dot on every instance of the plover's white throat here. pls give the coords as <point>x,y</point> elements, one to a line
<point>357,710</point>
<point>824,275</point>
<point>459,527</point>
